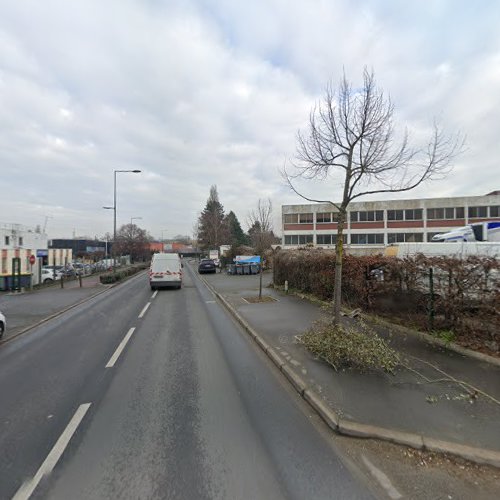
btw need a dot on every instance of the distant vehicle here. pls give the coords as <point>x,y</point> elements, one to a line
<point>213,254</point>
<point>480,231</point>
<point>3,324</point>
<point>207,266</point>
<point>50,275</point>
<point>459,250</point>
<point>106,264</point>
<point>80,269</point>
<point>165,271</point>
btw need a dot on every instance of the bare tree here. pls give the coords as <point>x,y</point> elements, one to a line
<point>132,240</point>
<point>260,222</point>
<point>351,139</point>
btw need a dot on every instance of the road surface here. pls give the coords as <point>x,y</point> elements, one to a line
<point>136,394</point>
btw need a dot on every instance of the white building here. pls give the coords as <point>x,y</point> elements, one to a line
<point>372,225</point>
<point>17,241</point>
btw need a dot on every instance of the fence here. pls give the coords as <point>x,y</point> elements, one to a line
<point>435,293</point>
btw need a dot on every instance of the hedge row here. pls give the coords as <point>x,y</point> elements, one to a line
<point>465,298</point>
<point>109,278</point>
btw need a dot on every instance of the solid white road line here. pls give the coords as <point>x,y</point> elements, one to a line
<point>26,490</point>
<point>154,294</point>
<point>143,312</point>
<point>120,348</point>
<point>383,480</point>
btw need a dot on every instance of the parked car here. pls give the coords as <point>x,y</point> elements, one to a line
<point>49,275</point>
<point>207,266</point>
<point>81,269</point>
<point>3,324</point>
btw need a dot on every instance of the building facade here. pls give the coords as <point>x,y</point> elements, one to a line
<point>372,225</point>
<point>19,243</point>
<point>83,247</point>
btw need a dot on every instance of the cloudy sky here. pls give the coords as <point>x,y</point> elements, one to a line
<point>204,92</point>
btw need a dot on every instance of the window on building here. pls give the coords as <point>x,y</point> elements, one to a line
<point>413,214</point>
<point>353,216</point>
<point>304,239</point>
<point>367,239</point>
<point>435,213</point>
<point>404,237</point>
<point>475,212</point>
<point>298,239</point>
<point>291,218</point>
<point>324,239</point>
<point>324,217</point>
<point>371,215</point>
<point>449,213</point>
<point>395,214</point>
<point>335,216</point>
<point>495,211</point>
<point>7,240</point>
<point>305,218</point>
<point>20,241</point>
<point>459,212</point>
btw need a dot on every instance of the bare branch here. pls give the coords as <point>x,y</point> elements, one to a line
<point>288,179</point>
<point>351,136</point>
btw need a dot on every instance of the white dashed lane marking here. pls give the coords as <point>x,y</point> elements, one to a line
<point>120,348</point>
<point>143,312</point>
<point>383,480</point>
<point>27,489</point>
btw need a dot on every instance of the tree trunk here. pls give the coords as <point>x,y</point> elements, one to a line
<point>339,254</point>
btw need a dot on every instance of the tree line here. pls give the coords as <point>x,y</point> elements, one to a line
<point>215,228</point>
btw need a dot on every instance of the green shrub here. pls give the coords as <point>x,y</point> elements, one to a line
<point>446,335</point>
<point>110,278</point>
<point>357,347</point>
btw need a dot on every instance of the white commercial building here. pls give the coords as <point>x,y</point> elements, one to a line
<point>372,225</point>
<point>21,242</point>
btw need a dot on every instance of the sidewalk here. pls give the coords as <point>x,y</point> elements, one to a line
<point>24,310</point>
<point>401,403</point>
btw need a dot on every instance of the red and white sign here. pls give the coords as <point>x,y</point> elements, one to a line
<point>32,259</point>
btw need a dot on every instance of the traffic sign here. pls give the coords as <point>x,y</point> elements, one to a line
<point>32,259</point>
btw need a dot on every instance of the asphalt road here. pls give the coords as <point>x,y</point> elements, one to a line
<point>120,399</point>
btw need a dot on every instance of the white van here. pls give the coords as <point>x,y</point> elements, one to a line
<point>165,271</point>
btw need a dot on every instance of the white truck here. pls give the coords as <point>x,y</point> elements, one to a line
<point>165,271</point>
<point>479,231</point>
<point>459,249</point>
<point>214,255</point>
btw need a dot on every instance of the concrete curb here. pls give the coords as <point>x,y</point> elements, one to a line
<point>434,341</point>
<point>357,429</point>
<point>451,346</point>
<point>62,311</point>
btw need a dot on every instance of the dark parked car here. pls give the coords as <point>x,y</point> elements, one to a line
<point>207,266</point>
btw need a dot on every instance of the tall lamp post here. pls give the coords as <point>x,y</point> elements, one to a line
<point>133,219</point>
<point>114,210</point>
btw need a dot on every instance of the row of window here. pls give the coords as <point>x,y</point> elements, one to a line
<point>407,214</point>
<point>298,239</point>
<point>7,241</point>
<point>357,238</point>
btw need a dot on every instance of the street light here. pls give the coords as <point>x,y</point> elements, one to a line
<point>114,210</point>
<point>134,218</point>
